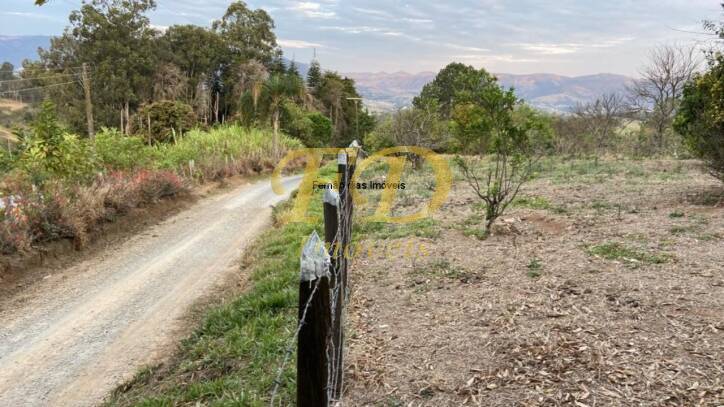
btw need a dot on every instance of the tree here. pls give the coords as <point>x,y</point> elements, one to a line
<point>700,119</point>
<point>196,51</point>
<point>7,71</point>
<point>338,99</point>
<point>251,77</point>
<point>487,119</point>
<point>314,76</point>
<point>455,83</point>
<point>293,70</point>
<point>277,90</point>
<point>169,83</point>
<point>311,127</point>
<point>248,34</point>
<point>115,38</point>
<point>161,121</point>
<point>417,126</point>
<point>513,151</point>
<point>657,93</point>
<point>600,119</point>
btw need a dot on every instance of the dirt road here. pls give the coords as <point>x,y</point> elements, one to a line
<point>80,332</point>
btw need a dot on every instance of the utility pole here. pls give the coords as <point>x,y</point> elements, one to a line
<point>85,79</point>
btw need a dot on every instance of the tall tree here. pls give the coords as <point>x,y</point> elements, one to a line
<point>248,34</point>
<point>115,38</point>
<point>251,77</point>
<point>314,76</point>
<point>196,51</point>
<point>278,89</point>
<point>339,99</point>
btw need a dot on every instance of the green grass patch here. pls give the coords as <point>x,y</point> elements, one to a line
<point>619,251</point>
<point>680,230</point>
<point>441,268</point>
<point>532,202</point>
<point>534,268</point>
<point>538,202</point>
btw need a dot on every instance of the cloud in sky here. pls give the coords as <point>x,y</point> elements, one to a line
<point>298,44</point>
<point>312,10</point>
<point>560,36</point>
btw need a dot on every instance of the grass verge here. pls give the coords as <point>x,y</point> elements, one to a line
<point>233,356</point>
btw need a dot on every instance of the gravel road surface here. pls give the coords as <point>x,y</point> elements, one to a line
<point>74,336</point>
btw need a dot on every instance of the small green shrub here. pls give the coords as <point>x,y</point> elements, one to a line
<point>116,151</point>
<point>700,118</point>
<point>619,251</point>
<point>50,152</point>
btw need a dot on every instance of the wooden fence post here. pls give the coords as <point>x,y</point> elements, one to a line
<point>314,318</point>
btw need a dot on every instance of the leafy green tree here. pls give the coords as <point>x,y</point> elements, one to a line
<point>311,127</point>
<point>293,69</point>
<point>701,116</point>
<point>248,34</point>
<point>115,38</point>
<point>250,83</point>
<point>454,84</point>
<point>196,51</point>
<point>487,120</point>
<point>340,101</point>
<point>50,151</point>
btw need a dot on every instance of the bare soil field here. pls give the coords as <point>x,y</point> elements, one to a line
<point>603,285</point>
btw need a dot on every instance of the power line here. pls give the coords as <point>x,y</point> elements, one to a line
<point>39,78</point>
<point>36,88</point>
<point>41,69</point>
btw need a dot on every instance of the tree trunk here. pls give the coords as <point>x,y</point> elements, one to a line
<point>275,142</point>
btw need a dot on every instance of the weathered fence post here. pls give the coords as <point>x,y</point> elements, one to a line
<point>314,320</point>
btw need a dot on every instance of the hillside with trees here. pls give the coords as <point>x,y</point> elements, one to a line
<point>114,100</point>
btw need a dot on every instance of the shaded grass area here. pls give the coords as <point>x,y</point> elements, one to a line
<point>232,358</point>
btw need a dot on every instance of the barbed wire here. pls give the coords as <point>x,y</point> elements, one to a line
<point>292,340</point>
<point>335,356</point>
<point>342,240</point>
<point>45,69</point>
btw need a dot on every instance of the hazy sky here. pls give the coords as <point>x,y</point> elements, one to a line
<point>567,37</point>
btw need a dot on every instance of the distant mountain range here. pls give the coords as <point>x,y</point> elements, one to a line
<point>555,93</point>
<point>15,49</point>
<point>389,91</point>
